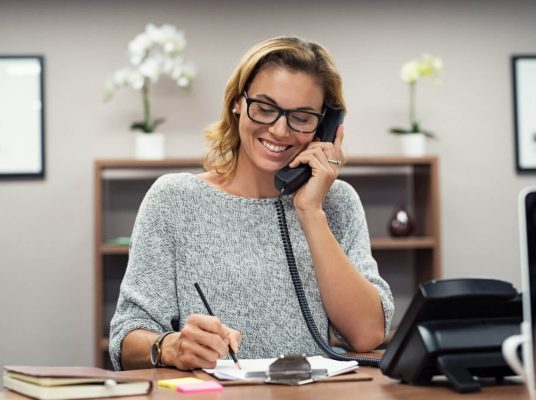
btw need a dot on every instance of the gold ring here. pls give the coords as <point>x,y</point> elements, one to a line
<point>338,163</point>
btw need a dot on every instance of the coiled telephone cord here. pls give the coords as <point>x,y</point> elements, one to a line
<point>298,287</point>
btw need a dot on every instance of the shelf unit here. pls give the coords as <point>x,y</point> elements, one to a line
<point>382,183</point>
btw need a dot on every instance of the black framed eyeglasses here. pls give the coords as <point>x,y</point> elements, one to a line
<point>266,113</point>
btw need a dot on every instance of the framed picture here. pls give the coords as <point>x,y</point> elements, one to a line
<point>524,88</point>
<point>22,116</point>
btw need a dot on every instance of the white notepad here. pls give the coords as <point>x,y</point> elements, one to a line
<point>227,370</point>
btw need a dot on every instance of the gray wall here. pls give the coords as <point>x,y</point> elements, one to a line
<point>46,227</point>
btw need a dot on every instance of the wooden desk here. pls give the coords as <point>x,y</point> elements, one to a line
<point>380,388</point>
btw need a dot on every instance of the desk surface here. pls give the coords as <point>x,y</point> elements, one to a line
<point>379,388</point>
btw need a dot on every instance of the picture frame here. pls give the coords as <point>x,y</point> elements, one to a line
<point>524,102</point>
<point>22,116</point>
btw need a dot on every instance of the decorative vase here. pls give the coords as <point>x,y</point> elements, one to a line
<point>401,224</point>
<point>413,144</point>
<point>149,146</point>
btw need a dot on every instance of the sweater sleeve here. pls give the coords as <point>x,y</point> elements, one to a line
<point>350,225</point>
<point>148,296</point>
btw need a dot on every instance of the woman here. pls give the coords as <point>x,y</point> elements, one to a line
<point>220,229</point>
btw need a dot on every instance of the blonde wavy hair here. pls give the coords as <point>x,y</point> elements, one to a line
<point>293,53</point>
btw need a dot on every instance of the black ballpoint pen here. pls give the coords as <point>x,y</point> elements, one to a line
<point>209,310</point>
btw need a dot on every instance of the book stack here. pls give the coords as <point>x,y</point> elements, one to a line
<point>59,383</point>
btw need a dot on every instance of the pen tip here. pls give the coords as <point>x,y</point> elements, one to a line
<point>238,365</point>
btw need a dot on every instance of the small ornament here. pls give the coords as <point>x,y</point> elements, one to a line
<point>401,224</point>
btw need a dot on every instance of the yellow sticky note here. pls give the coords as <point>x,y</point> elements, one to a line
<point>172,383</point>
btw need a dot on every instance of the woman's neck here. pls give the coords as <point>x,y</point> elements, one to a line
<point>238,185</point>
<point>250,181</point>
<point>244,182</point>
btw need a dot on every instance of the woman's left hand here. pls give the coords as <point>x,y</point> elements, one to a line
<point>311,195</point>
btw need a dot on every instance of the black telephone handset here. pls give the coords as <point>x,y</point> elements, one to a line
<point>288,180</point>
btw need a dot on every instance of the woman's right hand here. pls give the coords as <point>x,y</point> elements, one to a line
<point>202,341</point>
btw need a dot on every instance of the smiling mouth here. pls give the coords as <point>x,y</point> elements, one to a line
<point>273,148</point>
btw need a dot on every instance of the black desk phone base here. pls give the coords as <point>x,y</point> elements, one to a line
<point>455,328</point>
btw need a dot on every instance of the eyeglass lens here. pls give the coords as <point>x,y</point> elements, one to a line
<point>265,113</point>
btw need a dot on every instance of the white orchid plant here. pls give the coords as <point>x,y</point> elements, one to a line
<point>156,51</point>
<point>411,72</point>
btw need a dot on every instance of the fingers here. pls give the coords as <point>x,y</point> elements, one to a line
<point>337,144</point>
<point>322,172</point>
<point>207,323</point>
<point>317,157</point>
<point>204,340</point>
<point>329,151</point>
<point>234,338</point>
<point>213,342</point>
<point>192,354</point>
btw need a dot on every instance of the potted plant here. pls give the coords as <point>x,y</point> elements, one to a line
<point>156,51</point>
<point>414,137</point>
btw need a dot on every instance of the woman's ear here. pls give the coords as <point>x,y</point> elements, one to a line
<point>236,108</point>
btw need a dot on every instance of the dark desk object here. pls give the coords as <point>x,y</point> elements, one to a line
<point>455,328</point>
<point>380,388</point>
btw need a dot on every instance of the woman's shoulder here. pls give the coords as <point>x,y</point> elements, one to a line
<point>342,199</point>
<point>342,191</point>
<point>175,184</point>
<point>174,179</point>
<point>343,208</point>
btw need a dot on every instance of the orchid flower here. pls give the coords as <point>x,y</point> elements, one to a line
<point>154,52</point>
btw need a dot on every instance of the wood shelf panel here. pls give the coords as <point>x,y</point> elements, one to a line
<point>131,163</point>
<point>106,249</point>
<point>197,162</point>
<point>408,243</point>
<point>390,160</point>
<point>376,244</point>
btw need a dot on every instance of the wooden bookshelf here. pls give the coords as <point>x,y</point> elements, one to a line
<point>382,183</point>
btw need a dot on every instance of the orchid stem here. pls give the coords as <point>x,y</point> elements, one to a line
<point>146,106</point>
<point>412,121</point>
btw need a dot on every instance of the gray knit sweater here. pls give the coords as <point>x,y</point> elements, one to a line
<point>187,231</point>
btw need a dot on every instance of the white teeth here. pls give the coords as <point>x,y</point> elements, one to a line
<point>271,147</point>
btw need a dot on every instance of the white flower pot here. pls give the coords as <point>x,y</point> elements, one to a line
<point>413,144</point>
<point>149,146</point>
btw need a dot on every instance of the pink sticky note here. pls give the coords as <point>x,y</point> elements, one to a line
<point>206,386</point>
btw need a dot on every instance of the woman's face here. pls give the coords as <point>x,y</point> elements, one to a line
<point>268,148</point>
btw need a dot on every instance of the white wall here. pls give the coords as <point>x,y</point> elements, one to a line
<point>46,227</point>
